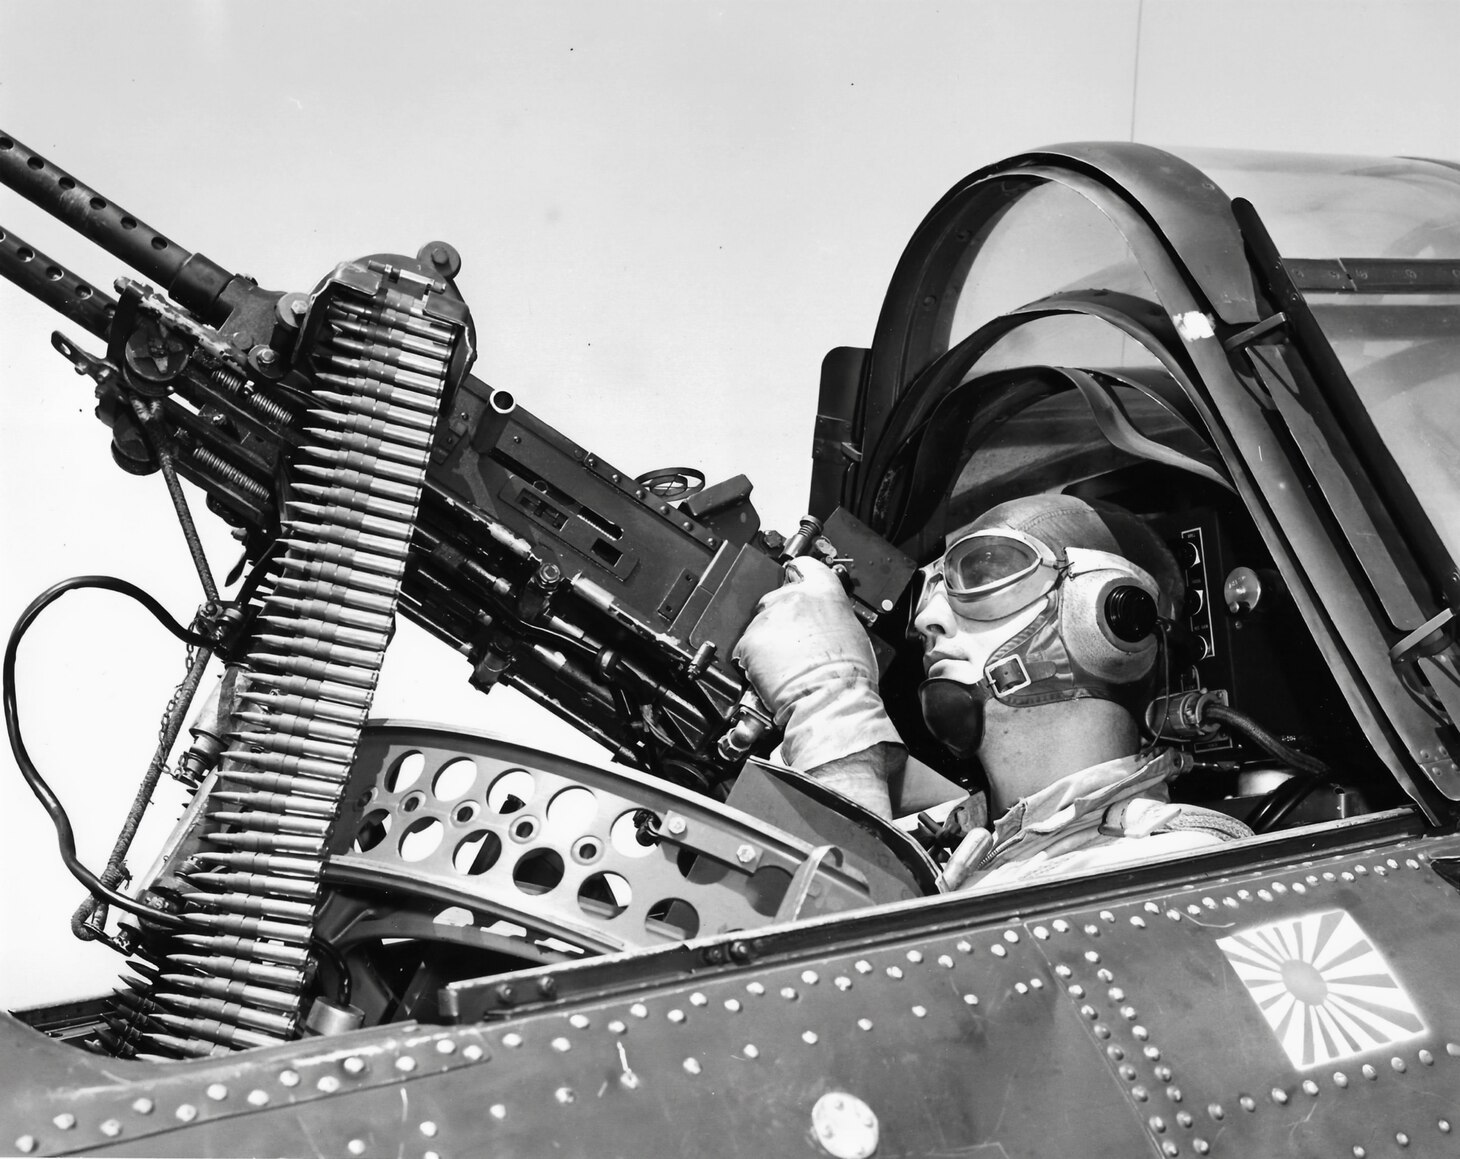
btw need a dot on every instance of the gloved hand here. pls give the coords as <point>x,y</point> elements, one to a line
<point>809,659</point>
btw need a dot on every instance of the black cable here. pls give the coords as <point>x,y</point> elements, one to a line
<point>65,836</point>
<point>1264,740</point>
<point>1282,801</point>
<point>1312,772</point>
<point>336,959</point>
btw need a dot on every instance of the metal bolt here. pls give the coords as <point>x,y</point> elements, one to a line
<point>187,1112</point>
<point>355,1146</point>
<point>405,1063</point>
<point>354,1064</point>
<point>473,1053</point>
<point>268,356</point>
<point>143,1106</point>
<point>65,1121</point>
<point>745,854</point>
<point>445,1046</point>
<point>677,826</point>
<point>511,1040</point>
<point>257,1098</point>
<point>428,1129</point>
<point>217,1092</point>
<point>692,1066</point>
<point>25,1144</point>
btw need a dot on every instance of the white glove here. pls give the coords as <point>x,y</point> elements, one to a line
<point>809,659</point>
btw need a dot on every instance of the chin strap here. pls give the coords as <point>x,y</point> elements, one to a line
<point>1031,668</point>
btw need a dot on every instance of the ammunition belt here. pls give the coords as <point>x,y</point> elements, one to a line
<point>248,864</point>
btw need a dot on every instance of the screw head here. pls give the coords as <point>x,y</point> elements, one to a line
<point>676,825</point>
<point>745,854</point>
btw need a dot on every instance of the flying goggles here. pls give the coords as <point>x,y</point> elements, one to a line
<point>988,575</point>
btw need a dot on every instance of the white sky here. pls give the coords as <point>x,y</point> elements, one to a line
<point>668,213</point>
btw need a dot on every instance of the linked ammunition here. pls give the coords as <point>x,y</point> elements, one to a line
<point>268,863</point>
<point>329,789</point>
<point>383,373</point>
<point>372,411</point>
<point>411,321</point>
<point>310,550</point>
<point>305,577</point>
<point>318,669</point>
<point>291,766</point>
<point>275,823</point>
<point>293,745</point>
<point>386,336</point>
<point>343,474</point>
<point>395,393</point>
<point>360,609</point>
<point>295,843</point>
<point>377,451</point>
<point>212,1030</point>
<point>277,803</point>
<point>260,883</point>
<point>118,1047</point>
<point>293,724</point>
<point>355,540</point>
<point>187,1047</point>
<point>430,362</point>
<point>355,452</point>
<point>125,1029</point>
<point>233,1014</point>
<point>237,948</point>
<point>218,966</point>
<point>323,768</point>
<point>246,927</point>
<point>251,905</point>
<point>355,520</point>
<point>336,498</point>
<point>372,642</point>
<point>229,990</point>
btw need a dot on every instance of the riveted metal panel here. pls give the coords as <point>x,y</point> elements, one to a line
<point>1308,1011</point>
<point>1120,1026</point>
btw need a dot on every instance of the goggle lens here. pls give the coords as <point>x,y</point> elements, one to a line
<point>991,574</point>
<point>973,566</point>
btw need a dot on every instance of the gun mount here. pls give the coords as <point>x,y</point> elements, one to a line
<point>368,474</point>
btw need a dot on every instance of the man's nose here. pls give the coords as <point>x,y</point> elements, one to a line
<point>934,618</point>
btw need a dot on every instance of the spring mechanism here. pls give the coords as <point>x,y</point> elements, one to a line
<point>231,381</point>
<point>228,473</point>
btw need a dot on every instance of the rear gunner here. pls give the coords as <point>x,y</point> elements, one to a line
<point>1039,626</point>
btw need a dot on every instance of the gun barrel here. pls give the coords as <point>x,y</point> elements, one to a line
<point>47,279</point>
<point>192,279</point>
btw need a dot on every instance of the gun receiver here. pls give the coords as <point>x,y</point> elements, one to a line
<point>615,600</point>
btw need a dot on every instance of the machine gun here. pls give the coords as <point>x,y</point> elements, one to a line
<point>368,473</point>
<point>614,599</point>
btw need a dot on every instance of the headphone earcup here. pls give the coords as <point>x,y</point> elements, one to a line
<point>1095,644</point>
